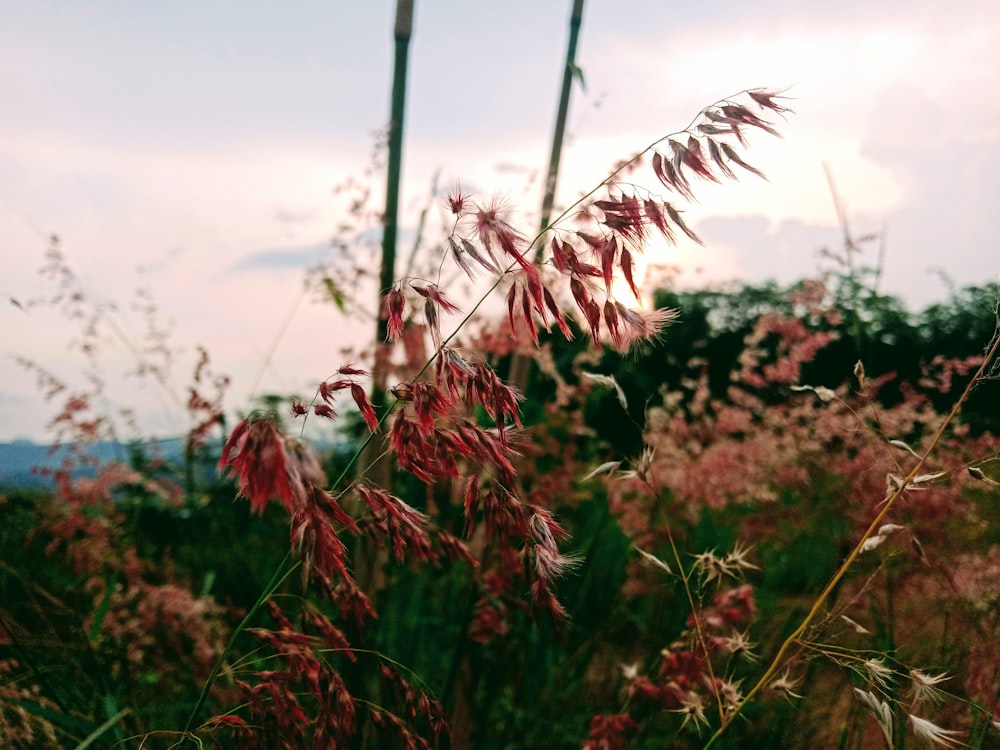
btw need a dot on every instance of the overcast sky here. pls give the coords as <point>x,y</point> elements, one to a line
<point>191,148</point>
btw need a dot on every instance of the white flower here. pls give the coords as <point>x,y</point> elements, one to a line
<point>925,685</point>
<point>931,733</point>
<point>880,710</point>
<point>693,708</point>
<point>786,685</point>
<point>878,672</point>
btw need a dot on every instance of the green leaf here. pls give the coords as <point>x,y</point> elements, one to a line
<point>109,724</point>
<point>577,72</point>
<point>102,609</point>
<point>336,295</point>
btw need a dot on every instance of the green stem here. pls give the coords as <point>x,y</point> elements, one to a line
<point>699,632</point>
<point>520,364</point>
<point>558,136</point>
<point>402,32</point>
<point>277,579</point>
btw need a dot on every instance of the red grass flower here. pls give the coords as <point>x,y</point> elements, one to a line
<point>255,456</point>
<point>365,406</point>
<point>395,303</point>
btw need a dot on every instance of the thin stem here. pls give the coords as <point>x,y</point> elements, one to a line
<point>697,622</point>
<point>272,585</point>
<point>520,364</point>
<point>558,136</point>
<point>402,32</point>
<point>628,163</point>
<point>796,634</point>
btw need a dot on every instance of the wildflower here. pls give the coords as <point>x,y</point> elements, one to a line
<point>904,446</point>
<point>608,381</point>
<point>544,599</point>
<point>608,467</point>
<point>859,371</point>
<point>931,733</point>
<point>738,644</point>
<point>494,230</point>
<point>730,694</point>
<point>611,321</point>
<point>630,671</point>
<point>878,673</point>
<point>314,536</point>
<point>643,467</point>
<point>395,302</point>
<point>824,394</point>
<point>786,685</point>
<point>871,543</point>
<point>255,455</point>
<point>731,154</point>
<point>642,327</point>
<point>550,566</point>
<point>610,732</point>
<point>487,263</point>
<point>976,473</point>
<point>925,685</point>
<point>711,566</point>
<point>431,292</point>
<point>303,462</point>
<point>457,198</point>
<point>324,410</point>
<point>880,710</point>
<point>691,157</point>
<point>557,314</point>
<point>736,559</point>
<point>766,99</point>
<point>654,560</point>
<point>365,406</point>
<point>458,253</point>
<point>693,710</point>
<point>860,629</point>
<point>671,178</point>
<point>402,524</point>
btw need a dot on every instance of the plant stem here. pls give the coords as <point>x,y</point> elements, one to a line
<point>402,33</point>
<point>520,364</point>
<point>279,576</point>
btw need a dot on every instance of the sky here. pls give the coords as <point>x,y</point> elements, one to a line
<point>192,150</point>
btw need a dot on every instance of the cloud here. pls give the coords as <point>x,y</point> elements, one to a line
<point>294,258</point>
<point>288,216</point>
<point>949,166</point>
<point>760,249</point>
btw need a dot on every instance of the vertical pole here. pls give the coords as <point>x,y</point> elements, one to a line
<point>520,365</point>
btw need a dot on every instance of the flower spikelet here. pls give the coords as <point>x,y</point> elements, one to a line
<point>925,686</point>
<point>314,535</point>
<point>402,524</point>
<point>931,734</point>
<point>255,456</point>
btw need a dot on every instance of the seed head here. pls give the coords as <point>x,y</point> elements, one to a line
<point>925,685</point>
<point>456,200</point>
<point>931,733</point>
<point>786,685</point>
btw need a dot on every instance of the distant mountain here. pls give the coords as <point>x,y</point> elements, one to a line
<point>21,461</point>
